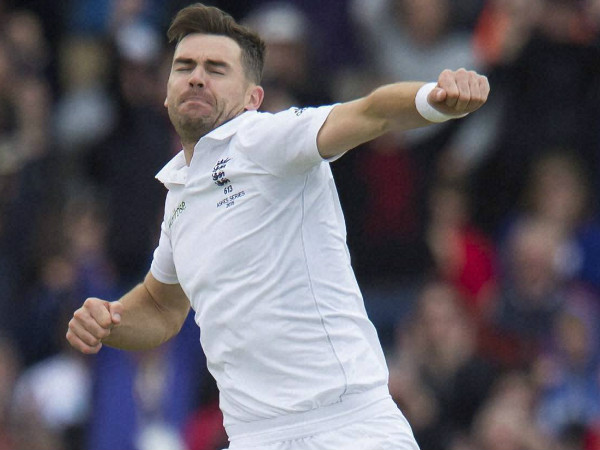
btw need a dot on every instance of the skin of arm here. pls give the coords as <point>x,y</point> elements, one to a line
<point>392,107</point>
<point>144,318</point>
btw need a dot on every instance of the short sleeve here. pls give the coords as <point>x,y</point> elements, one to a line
<point>284,143</point>
<point>163,267</point>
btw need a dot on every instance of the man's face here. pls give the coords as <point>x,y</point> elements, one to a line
<point>207,85</point>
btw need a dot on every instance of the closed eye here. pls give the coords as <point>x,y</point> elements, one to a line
<point>183,64</point>
<point>216,67</point>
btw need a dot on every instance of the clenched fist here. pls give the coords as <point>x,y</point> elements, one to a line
<point>459,92</point>
<point>92,323</point>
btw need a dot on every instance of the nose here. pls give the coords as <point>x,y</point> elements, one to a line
<point>197,77</point>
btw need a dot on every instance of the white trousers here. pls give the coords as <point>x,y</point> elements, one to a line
<point>385,428</point>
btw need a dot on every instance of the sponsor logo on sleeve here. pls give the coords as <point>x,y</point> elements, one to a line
<point>176,213</point>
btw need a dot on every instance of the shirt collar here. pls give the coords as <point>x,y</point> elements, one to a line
<point>229,128</point>
<point>175,171</point>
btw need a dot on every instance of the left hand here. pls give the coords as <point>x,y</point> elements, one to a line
<point>459,92</point>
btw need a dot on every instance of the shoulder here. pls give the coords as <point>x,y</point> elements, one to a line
<point>293,116</point>
<point>284,142</point>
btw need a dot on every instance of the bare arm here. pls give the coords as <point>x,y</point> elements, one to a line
<point>147,316</point>
<point>393,107</point>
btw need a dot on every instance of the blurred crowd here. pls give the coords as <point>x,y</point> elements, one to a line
<point>476,242</point>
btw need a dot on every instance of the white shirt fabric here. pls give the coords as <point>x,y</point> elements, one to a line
<point>254,233</point>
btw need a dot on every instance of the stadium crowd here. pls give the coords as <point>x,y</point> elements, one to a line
<point>476,242</point>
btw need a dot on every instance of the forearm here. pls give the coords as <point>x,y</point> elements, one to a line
<point>394,106</point>
<point>145,323</point>
<point>389,107</point>
<point>398,107</point>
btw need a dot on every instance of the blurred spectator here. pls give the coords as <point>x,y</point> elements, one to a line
<point>146,399</point>
<point>552,64</point>
<point>558,192</point>
<point>88,18</point>
<point>124,164</point>
<point>100,18</point>
<point>531,292</point>
<point>30,174</point>
<point>503,28</point>
<point>463,255</point>
<point>412,40</point>
<point>87,78</point>
<point>569,371</point>
<point>77,269</point>
<point>439,380</point>
<point>41,315</point>
<point>386,233</point>
<point>24,31</point>
<point>465,13</point>
<point>85,111</point>
<point>290,77</point>
<point>52,402</point>
<point>52,396</point>
<point>506,421</point>
<point>545,249</point>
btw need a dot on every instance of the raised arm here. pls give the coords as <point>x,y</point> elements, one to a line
<point>393,106</point>
<point>148,315</point>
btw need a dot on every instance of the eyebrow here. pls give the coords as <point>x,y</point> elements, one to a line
<point>217,64</point>
<point>186,61</point>
<point>209,62</point>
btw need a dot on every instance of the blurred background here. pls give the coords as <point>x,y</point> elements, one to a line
<point>476,242</point>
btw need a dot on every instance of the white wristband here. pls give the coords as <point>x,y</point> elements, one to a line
<point>429,112</point>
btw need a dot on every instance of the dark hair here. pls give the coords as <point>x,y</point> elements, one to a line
<point>198,18</point>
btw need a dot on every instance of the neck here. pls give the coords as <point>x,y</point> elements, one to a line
<point>188,151</point>
<point>189,144</point>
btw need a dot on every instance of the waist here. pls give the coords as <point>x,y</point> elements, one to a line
<point>350,408</point>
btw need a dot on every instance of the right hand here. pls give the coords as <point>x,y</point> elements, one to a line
<point>459,92</point>
<point>92,323</point>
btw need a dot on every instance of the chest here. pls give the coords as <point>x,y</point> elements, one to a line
<point>228,215</point>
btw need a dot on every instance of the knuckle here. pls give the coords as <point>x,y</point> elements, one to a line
<point>104,333</point>
<point>446,75</point>
<point>104,323</point>
<point>79,314</point>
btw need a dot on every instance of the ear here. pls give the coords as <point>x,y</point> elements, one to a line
<point>254,97</point>
<point>166,104</point>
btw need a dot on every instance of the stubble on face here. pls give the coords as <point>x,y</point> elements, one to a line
<point>194,108</point>
<point>191,128</point>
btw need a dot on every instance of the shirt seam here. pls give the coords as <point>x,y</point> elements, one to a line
<point>312,292</point>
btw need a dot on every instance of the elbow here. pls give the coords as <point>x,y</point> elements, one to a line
<point>173,323</point>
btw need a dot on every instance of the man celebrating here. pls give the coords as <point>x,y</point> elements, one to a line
<point>253,238</point>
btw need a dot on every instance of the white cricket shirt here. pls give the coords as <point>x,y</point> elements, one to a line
<point>254,233</point>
